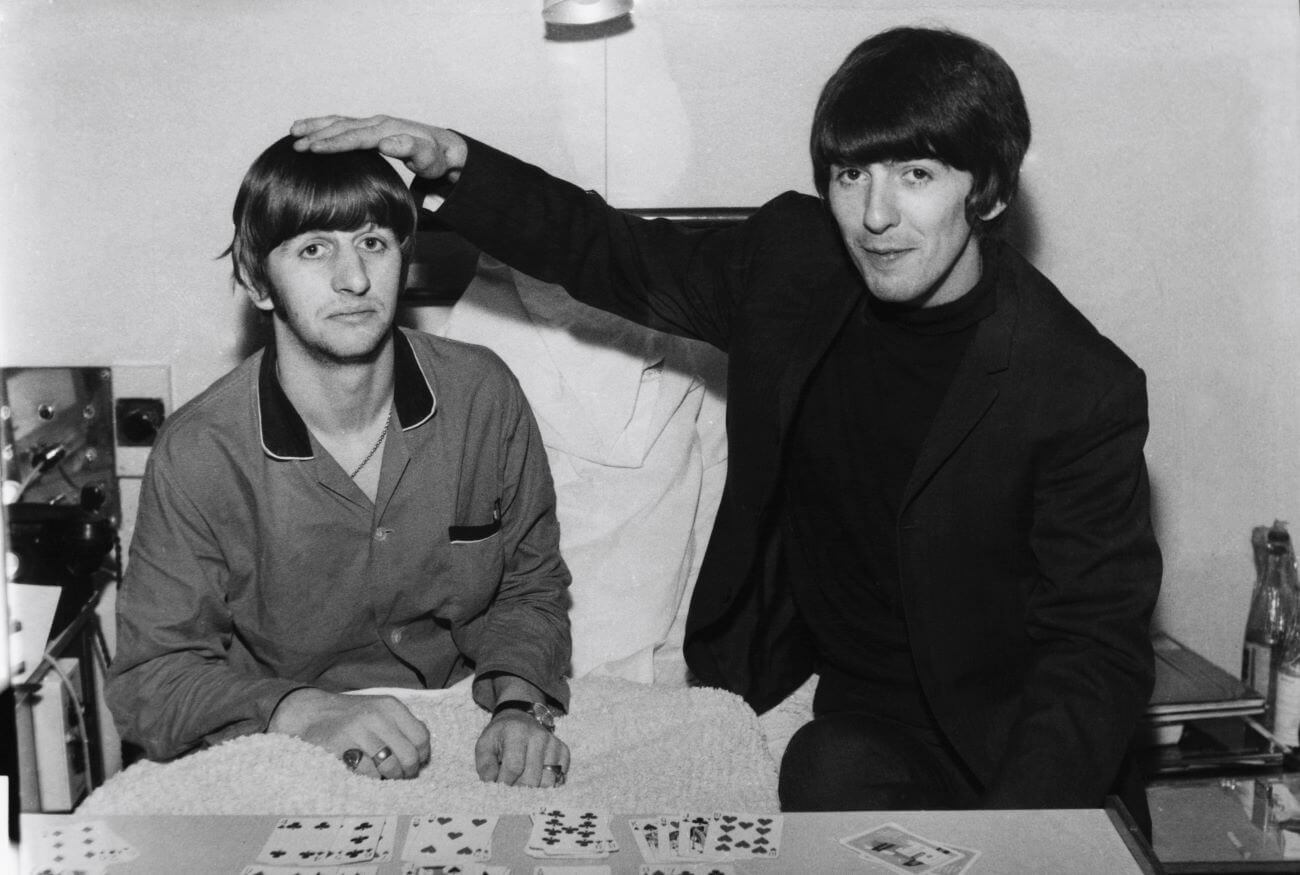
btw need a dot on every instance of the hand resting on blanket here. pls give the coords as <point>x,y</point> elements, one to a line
<point>339,722</point>
<point>511,750</point>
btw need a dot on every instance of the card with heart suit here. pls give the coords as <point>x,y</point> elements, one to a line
<point>721,836</point>
<point>449,838</point>
<point>904,851</point>
<point>672,838</point>
<point>739,836</point>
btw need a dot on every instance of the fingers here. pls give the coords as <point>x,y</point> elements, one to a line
<point>516,759</point>
<point>514,751</point>
<point>304,126</point>
<point>399,742</point>
<point>397,759</point>
<point>419,154</point>
<point>413,732</point>
<point>328,127</point>
<point>487,756</point>
<point>427,151</point>
<point>391,742</point>
<point>336,133</point>
<point>557,755</point>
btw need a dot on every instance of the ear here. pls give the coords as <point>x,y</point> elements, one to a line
<point>261,300</point>
<point>994,211</point>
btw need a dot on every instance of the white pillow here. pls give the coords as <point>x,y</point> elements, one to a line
<point>632,421</point>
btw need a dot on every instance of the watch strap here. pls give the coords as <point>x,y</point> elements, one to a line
<point>513,705</point>
<point>540,713</point>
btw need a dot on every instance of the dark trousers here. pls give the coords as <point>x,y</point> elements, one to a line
<point>857,761</point>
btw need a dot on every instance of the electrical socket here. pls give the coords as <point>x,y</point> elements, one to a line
<point>144,390</point>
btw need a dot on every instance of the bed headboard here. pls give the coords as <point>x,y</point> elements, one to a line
<point>444,262</point>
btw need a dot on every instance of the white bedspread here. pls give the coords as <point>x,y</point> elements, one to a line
<point>636,748</point>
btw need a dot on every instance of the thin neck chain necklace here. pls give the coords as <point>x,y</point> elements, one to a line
<point>370,455</point>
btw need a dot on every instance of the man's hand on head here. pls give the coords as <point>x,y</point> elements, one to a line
<point>513,748</point>
<point>429,152</point>
<point>370,724</point>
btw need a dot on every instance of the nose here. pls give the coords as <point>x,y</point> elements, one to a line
<point>880,213</point>
<point>350,274</point>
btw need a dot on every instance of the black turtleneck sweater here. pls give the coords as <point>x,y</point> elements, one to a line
<point>867,409</point>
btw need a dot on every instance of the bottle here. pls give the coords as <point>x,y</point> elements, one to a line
<point>1286,715</point>
<point>1272,616</point>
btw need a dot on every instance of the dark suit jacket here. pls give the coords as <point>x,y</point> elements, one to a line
<point>1029,569</point>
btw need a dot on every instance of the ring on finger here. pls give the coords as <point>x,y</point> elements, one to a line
<point>557,772</point>
<point>380,755</point>
<point>352,758</point>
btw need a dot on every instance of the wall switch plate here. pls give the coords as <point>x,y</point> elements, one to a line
<point>143,392</point>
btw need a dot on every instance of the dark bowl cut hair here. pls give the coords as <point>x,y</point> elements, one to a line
<point>912,93</point>
<point>286,192</point>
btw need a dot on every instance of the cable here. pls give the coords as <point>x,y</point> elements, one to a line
<point>41,462</point>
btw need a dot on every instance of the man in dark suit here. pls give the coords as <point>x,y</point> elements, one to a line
<point>936,495</point>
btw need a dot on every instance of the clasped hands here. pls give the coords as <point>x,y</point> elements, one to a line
<point>379,737</point>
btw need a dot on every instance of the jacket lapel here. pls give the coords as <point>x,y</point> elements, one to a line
<point>973,390</point>
<point>831,294</point>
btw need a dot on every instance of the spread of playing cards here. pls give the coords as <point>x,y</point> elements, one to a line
<point>435,844</point>
<point>563,841</point>
<point>720,836</point>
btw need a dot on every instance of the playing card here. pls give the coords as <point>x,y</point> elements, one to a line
<point>454,869</point>
<point>387,839</point>
<point>89,847</point>
<point>734,835</point>
<point>300,840</point>
<point>904,851</point>
<point>650,839</point>
<point>693,836</point>
<point>258,869</point>
<point>704,868</point>
<point>449,838</point>
<point>557,832</point>
<point>355,840</point>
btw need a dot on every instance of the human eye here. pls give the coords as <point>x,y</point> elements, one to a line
<point>374,243</point>
<point>847,175</point>
<point>918,174</point>
<point>311,250</point>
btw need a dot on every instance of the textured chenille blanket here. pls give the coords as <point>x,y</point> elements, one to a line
<point>635,747</point>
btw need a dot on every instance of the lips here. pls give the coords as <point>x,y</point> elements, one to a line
<point>884,256</point>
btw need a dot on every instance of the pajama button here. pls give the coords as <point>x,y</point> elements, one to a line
<point>395,636</point>
<point>381,534</point>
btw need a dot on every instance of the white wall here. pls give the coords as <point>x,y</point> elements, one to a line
<point>1160,193</point>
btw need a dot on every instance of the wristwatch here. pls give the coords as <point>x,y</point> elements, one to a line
<point>543,714</point>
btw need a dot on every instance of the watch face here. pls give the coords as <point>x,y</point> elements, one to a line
<point>544,715</point>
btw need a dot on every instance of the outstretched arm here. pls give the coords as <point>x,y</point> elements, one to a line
<point>653,273</point>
